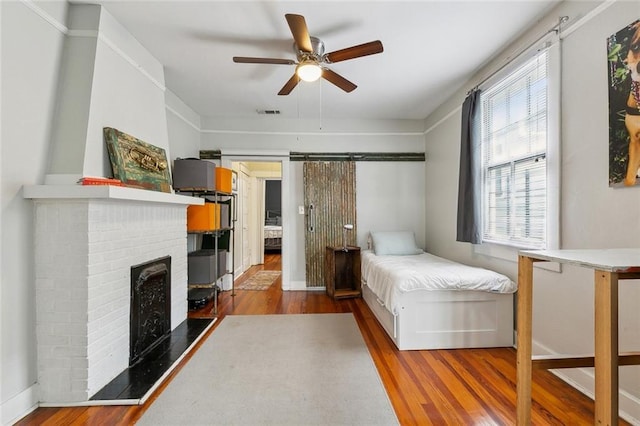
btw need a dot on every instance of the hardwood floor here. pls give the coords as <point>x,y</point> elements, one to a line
<point>438,387</point>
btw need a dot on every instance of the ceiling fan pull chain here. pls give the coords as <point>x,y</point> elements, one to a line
<point>298,114</point>
<point>320,104</point>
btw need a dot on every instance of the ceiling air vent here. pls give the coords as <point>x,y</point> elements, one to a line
<point>269,111</point>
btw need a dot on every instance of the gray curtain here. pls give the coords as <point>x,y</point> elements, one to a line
<point>468,229</point>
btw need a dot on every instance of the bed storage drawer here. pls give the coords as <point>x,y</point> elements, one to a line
<point>384,317</point>
<point>446,319</point>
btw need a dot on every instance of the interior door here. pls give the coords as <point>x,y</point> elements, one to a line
<point>330,203</point>
<point>242,248</point>
<point>245,184</point>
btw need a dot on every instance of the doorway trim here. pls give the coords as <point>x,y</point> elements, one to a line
<point>282,157</point>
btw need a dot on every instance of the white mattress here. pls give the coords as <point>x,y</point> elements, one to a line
<point>273,231</point>
<point>391,276</point>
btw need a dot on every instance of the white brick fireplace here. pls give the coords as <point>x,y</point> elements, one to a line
<point>86,240</point>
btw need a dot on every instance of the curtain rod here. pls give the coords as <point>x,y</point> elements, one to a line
<point>554,29</point>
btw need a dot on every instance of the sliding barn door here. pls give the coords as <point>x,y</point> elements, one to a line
<point>330,202</point>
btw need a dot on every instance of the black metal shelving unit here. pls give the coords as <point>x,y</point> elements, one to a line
<point>215,240</point>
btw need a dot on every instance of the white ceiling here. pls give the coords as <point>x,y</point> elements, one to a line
<point>431,48</point>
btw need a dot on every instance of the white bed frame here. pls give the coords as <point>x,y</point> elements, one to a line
<point>445,319</point>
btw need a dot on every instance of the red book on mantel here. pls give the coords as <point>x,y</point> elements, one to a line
<point>100,181</point>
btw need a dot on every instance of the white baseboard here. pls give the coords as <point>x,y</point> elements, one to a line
<point>301,285</point>
<point>583,380</point>
<point>19,406</point>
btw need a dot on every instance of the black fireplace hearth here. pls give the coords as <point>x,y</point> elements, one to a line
<point>136,382</point>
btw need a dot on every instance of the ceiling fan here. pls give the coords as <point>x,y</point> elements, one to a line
<point>311,59</point>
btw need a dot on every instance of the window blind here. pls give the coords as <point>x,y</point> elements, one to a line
<point>514,143</point>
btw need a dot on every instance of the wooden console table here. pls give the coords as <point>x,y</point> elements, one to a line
<point>610,265</point>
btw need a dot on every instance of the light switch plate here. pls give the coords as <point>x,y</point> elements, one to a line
<point>300,209</point>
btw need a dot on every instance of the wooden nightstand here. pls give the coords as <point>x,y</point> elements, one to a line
<point>342,272</point>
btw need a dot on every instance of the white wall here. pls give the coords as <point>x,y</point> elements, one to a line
<point>592,214</point>
<point>107,80</point>
<point>183,125</point>
<point>127,93</point>
<point>31,54</point>
<point>390,196</point>
<point>400,180</point>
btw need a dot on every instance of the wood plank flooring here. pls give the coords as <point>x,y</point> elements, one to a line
<point>438,387</point>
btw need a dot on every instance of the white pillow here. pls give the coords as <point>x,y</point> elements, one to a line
<point>396,243</point>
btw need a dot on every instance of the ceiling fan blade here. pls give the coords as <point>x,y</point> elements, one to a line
<point>358,51</point>
<point>298,27</point>
<point>245,60</point>
<point>338,80</point>
<point>289,85</point>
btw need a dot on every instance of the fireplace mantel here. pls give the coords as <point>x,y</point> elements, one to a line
<point>108,192</point>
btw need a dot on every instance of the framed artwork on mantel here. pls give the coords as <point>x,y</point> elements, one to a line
<point>136,163</point>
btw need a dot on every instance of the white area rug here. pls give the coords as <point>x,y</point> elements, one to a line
<point>310,369</point>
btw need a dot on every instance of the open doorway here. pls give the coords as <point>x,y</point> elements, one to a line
<point>259,226</point>
<point>273,216</point>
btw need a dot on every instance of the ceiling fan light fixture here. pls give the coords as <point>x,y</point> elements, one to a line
<point>309,71</point>
<point>310,57</point>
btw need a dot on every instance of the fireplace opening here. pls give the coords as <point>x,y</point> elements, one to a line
<point>150,318</point>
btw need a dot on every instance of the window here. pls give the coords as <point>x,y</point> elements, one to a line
<point>514,142</point>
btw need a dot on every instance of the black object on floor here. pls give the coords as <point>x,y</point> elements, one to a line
<point>135,381</point>
<point>199,297</point>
